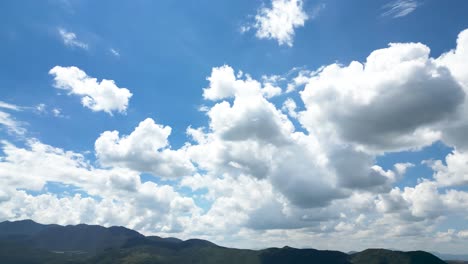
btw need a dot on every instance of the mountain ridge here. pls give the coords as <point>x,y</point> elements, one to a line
<point>84,244</point>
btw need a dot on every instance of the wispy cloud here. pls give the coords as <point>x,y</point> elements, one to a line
<point>10,106</point>
<point>70,39</point>
<point>114,52</point>
<point>317,10</point>
<point>400,8</point>
<point>8,121</point>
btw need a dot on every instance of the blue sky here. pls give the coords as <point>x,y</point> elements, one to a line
<point>195,127</point>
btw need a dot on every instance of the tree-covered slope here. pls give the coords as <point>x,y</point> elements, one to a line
<point>30,242</point>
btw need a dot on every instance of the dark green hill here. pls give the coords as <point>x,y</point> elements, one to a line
<point>20,228</point>
<point>384,256</point>
<point>87,238</point>
<point>30,242</point>
<point>299,256</point>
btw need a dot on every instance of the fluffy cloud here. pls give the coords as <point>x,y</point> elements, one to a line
<point>252,137</point>
<point>51,164</point>
<point>280,20</point>
<point>146,149</point>
<point>382,105</point>
<point>323,181</point>
<point>122,195</point>
<point>259,173</point>
<point>70,39</point>
<point>456,130</point>
<point>422,202</point>
<point>455,170</point>
<point>97,96</point>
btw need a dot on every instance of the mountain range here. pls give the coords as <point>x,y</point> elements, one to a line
<point>29,242</point>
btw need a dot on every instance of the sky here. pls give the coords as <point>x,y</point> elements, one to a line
<point>315,124</point>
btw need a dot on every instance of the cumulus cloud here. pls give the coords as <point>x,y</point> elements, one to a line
<point>146,149</point>
<point>454,172</point>
<point>382,104</point>
<point>325,178</point>
<point>400,8</point>
<point>289,107</point>
<point>456,60</point>
<point>304,171</point>
<point>422,202</point>
<point>70,39</point>
<point>225,84</point>
<point>122,194</point>
<point>280,21</point>
<point>98,96</point>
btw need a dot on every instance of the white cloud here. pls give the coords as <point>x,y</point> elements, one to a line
<point>280,20</point>
<point>300,80</point>
<point>57,112</point>
<point>146,149</point>
<point>400,8</point>
<point>456,60</point>
<point>422,202</point>
<point>11,124</point>
<point>261,175</point>
<point>222,84</point>
<point>70,39</point>
<point>8,106</point>
<point>123,198</point>
<point>269,90</point>
<point>381,105</point>
<point>98,96</point>
<point>455,170</point>
<point>40,108</point>
<point>252,137</point>
<point>289,107</point>
<point>114,52</point>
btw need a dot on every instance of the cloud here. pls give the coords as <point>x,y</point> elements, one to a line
<point>57,112</point>
<point>381,105</point>
<point>12,125</point>
<point>308,172</point>
<point>325,178</point>
<point>317,10</point>
<point>9,122</point>
<point>456,60</point>
<point>111,196</point>
<point>455,170</point>
<point>146,149</point>
<point>400,8</point>
<point>289,107</point>
<point>303,171</point>
<point>114,52</point>
<point>8,106</point>
<point>224,84</point>
<point>424,201</point>
<point>70,39</point>
<point>98,96</point>
<point>280,20</point>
